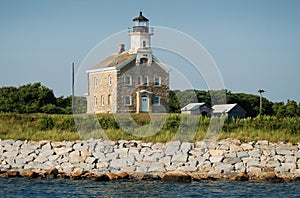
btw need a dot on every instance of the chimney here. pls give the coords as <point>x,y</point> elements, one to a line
<point>121,48</point>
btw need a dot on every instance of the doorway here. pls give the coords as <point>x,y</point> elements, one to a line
<point>144,104</point>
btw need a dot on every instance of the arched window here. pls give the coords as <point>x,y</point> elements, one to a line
<point>109,80</point>
<point>108,99</point>
<point>95,101</point>
<point>143,61</point>
<point>127,80</point>
<point>102,100</point>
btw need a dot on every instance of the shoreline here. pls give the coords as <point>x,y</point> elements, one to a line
<point>104,160</point>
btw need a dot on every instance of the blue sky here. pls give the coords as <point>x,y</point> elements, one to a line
<point>255,43</point>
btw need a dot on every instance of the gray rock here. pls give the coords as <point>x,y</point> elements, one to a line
<point>166,160</point>
<point>156,167</point>
<point>231,154</point>
<point>67,167</point>
<point>47,147</point>
<point>204,164</point>
<point>216,159</point>
<point>239,167</point>
<point>172,147</point>
<point>158,146</point>
<point>246,147</point>
<point>10,154</point>
<point>186,147</point>
<point>62,150</point>
<point>118,163</point>
<point>224,167</point>
<point>297,154</point>
<point>242,154</point>
<point>187,168</point>
<point>290,159</point>
<point>279,158</point>
<point>231,160</point>
<point>273,164</point>
<point>111,156</point>
<point>253,162</point>
<point>130,160</point>
<point>102,165</point>
<point>180,157</point>
<point>85,166</point>
<point>255,153</point>
<point>46,153</point>
<point>53,157</point>
<point>90,160</point>
<point>284,151</point>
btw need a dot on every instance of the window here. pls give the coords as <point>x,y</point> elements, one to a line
<point>109,80</point>
<point>108,99</point>
<point>95,81</point>
<point>157,81</point>
<point>102,100</point>
<point>144,43</point>
<point>127,80</point>
<point>143,61</point>
<point>139,80</point>
<point>95,101</point>
<point>127,100</point>
<point>146,81</point>
<point>156,100</point>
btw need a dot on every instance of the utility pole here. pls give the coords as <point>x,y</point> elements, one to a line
<point>260,91</point>
<point>73,97</point>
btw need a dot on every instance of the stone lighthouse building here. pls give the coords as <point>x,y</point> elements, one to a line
<point>130,81</point>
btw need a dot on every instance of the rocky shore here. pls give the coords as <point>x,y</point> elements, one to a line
<point>103,160</point>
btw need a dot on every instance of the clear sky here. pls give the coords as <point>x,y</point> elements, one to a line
<point>255,43</point>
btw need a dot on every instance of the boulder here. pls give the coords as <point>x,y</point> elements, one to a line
<point>30,174</point>
<point>77,173</point>
<point>177,176</point>
<point>52,172</point>
<point>112,176</point>
<point>123,175</point>
<point>242,176</point>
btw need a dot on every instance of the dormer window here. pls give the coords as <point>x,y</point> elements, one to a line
<point>143,61</point>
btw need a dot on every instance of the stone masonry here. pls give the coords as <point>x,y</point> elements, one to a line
<point>219,159</point>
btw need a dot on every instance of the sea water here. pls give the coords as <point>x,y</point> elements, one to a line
<point>26,187</point>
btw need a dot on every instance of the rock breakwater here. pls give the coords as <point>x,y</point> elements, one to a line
<point>178,161</point>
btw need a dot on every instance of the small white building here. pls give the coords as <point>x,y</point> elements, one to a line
<point>197,109</point>
<point>230,110</point>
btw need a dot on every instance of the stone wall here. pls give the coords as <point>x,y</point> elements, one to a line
<point>223,159</point>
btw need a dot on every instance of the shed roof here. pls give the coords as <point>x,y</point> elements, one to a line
<point>223,108</point>
<point>192,106</point>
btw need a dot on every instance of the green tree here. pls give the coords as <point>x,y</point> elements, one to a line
<point>174,105</point>
<point>291,108</point>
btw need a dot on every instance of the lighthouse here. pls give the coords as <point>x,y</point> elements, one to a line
<point>140,40</point>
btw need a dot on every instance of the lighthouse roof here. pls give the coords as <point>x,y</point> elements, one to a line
<point>140,18</point>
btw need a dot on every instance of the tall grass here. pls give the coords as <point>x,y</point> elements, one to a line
<point>139,127</point>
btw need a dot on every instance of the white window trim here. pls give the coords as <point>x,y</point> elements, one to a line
<point>146,77</point>
<point>109,80</point>
<point>130,101</point>
<point>95,81</point>
<point>95,101</point>
<point>137,80</point>
<point>102,101</point>
<point>130,80</point>
<point>156,104</point>
<point>159,81</point>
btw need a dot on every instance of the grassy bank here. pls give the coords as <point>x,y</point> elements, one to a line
<point>174,126</point>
